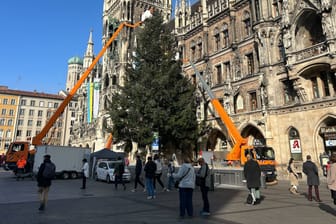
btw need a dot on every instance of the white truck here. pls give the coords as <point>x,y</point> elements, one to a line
<point>68,160</point>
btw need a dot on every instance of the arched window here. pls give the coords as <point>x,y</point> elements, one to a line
<point>114,80</point>
<point>106,81</point>
<point>193,50</point>
<point>295,144</point>
<point>216,39</point>
<point>247,23</point>
<point>200,47</point>
<point>226,39</point>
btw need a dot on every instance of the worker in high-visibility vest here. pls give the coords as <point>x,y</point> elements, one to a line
<point>21,163</point>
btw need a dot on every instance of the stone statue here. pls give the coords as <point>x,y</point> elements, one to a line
<point>287,39</point>
<point>285,13</point>
<point>327,25</point>
<point>325,4</point>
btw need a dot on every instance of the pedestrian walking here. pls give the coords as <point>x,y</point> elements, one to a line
<point>293,177</point>
<point>331,177</point>
<point>150,168</point>
<point>203,175</point>
<point>252,173</point>
<point>118,174</point>
<point>186,177</point>
<point>158,172</point>
<point>45,174</point>
<point>138,170</point>
<point>170,171</point>
<point>2,159</point>
<point>85,173</point>
<point>310,169</point>
<point>20,164</point>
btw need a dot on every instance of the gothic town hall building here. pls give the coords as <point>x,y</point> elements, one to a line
<point>271,63</point>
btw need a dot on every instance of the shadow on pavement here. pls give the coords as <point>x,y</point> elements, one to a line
<point>327,208</point>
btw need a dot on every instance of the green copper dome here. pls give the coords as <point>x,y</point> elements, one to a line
<point>75,60</point>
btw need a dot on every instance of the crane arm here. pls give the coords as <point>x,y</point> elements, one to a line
<point>239,141</point>
<point>109,142</point>
<point>37,140</point>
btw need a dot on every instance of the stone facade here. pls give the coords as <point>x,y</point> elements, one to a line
<point>271,63</point>
<point>111,72</point>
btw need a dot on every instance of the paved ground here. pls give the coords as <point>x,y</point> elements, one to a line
<point>100,203</point>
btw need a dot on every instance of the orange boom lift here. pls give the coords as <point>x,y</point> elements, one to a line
<point>21,148</point>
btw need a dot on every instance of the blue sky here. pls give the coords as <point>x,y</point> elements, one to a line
<point>39,36</point>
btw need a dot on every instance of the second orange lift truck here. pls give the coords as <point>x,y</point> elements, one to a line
<point>263,154</point>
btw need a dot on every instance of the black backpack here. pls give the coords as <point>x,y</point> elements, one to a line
<point>49,171</point>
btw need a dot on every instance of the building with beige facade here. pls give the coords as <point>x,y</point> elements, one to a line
<point>9,105</point>
<point>24,114</point>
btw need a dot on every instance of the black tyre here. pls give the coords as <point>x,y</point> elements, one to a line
<point>65,175</point>
<point>74,175</point>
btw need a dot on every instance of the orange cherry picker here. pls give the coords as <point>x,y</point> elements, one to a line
<point>21,148</point>
<point>263,154</point>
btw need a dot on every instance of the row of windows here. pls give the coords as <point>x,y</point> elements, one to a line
<point>8,123</point>
<point>41,103</point>
<point>222,72</point>
<point>10,112</point>
<point>322,85</point>
<point>5,101</point>
<point>19,133</point>
<point>8,133</point>
<point>31,113</point>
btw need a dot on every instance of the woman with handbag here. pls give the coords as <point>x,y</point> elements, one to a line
<point>204,181</point>
<point>186,177</point>
<point>293,177</point>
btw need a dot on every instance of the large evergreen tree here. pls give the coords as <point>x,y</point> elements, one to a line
<point>156,97</point>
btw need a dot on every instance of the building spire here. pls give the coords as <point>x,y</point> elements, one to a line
<point>88,57</point>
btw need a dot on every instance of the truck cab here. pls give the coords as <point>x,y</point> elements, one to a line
<point>15,151</point>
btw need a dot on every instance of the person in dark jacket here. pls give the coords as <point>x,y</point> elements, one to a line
<point>43,183</point>
<point>204,174</point>
<point>118,174</point>
<point>150,168</point>
<point>138,169</point>
<point>310,169</point>
<point>252,175</point>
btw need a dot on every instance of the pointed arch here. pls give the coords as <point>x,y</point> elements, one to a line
<point>325,135</point>
<point>294,143</point>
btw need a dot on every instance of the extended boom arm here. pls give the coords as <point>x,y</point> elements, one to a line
<point>37,140</point>
<point>239,141</point>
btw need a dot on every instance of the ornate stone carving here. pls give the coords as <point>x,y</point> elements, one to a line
<point>327,25</point>
<point>285,14</point>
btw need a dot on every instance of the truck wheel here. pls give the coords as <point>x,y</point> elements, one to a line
<point>96,177</point>
<point>74,175</point>
<point>65,175</point>
<point>108,180</point>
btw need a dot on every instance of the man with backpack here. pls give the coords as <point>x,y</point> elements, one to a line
<point>44,176</point>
